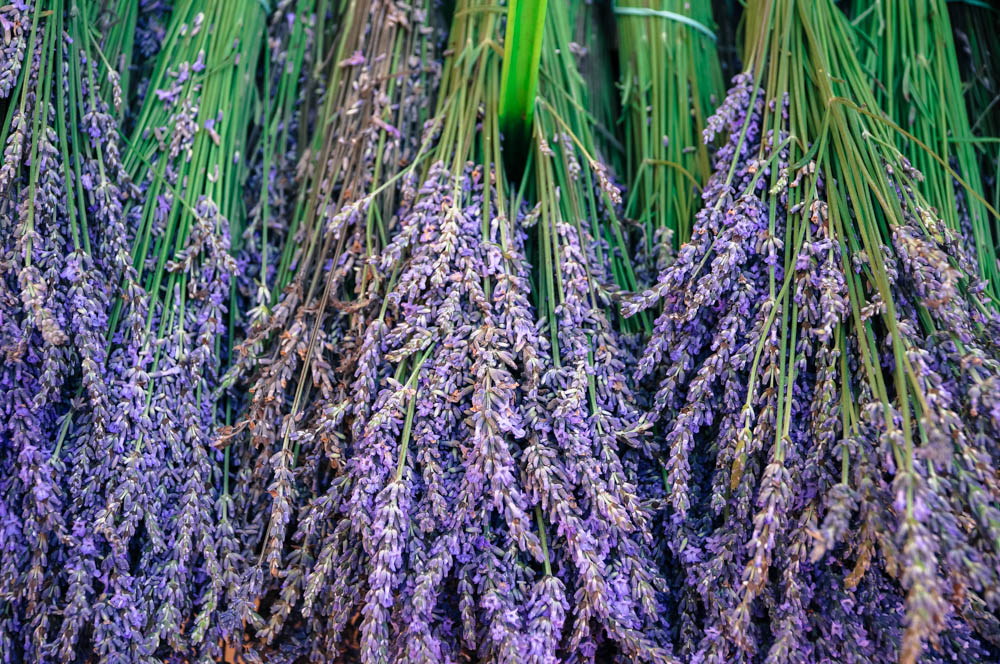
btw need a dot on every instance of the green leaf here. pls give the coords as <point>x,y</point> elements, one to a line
<point>519,75</point>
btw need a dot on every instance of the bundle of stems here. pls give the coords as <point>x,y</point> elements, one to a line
<point>595,49</point>
<point>281,138</point>
<point>146,546</point>
<point>827,364</point>
<point>377,81</point>
<point>381,262</point>
<point>908,46</point>
<point>431,448</point>
<point>564,105</point>
<point>375,105</point>
<point>586,418</point>
<point>62,188</point>
<point>292,72</point>
<point>974,26</point>
<point>671,82</point>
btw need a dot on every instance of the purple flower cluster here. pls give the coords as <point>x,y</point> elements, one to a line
<point>789,486</point>
<point>303,340</point>
<point>118,543</point>
<point>12,24</point>
<point>56,279</point>
<point>427,479</point>
<point>471,500</point>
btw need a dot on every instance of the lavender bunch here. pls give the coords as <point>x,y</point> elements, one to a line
<point>373,91</point>
<point>584,445</point>
<point>305,325</point>
<point>425,530</point>
<point>416,483</point>
<point>63,189</point>
<point>130,305</point>
<point>820,365</point>
<point>429,370</point>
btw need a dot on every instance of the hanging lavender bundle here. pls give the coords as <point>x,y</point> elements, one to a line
<point>164,498</point>
<point>364,503</point>
<point>374,94</point>
<point>306,322</point>
<point>62,189</point>
<point>435,505</point>
<point>133,556</point>
<point>827,381</point>
<point>584,441</point>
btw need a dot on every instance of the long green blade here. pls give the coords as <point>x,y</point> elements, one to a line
<point>519,74</point>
